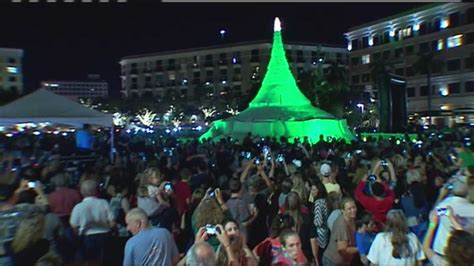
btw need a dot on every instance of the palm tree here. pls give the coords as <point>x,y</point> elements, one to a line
<point>309,83</point>
<point>337,89</point>
<point>330,91</point>
<point>427,63</point>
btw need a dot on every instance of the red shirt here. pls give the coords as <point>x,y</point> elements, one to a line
<point>378,208</point>
<point>269,244</point>
<point>183,192</point>
<point>63,200</point>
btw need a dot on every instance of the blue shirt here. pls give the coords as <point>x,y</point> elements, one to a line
<point>151,246</point>
<point>364,241</point>
<point>84,139</point>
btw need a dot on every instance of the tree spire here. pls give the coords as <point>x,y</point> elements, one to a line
<point>279,86</point>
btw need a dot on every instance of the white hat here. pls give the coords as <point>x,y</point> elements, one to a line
<point>325,169</point>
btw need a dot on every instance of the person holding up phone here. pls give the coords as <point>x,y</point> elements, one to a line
<point>456,199</point>
<point>459,247</point>
<point>380,200</point>
<point>211,210</point>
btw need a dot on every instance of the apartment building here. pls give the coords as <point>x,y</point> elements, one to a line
<point>91,88</point>
<point>445,29</point>
<point>11,70</point>
<point>219,69</point>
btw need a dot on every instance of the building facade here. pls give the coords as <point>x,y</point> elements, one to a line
<point>447,30</point>
<point>216,70</point>
<point>11,70</point>
<point>74,90</point>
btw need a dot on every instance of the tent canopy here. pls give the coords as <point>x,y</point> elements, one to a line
<point>45,106</point>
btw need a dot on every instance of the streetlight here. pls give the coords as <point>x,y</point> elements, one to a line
<point>222,33</point>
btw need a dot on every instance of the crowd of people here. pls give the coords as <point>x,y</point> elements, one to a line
<point>259,201</point>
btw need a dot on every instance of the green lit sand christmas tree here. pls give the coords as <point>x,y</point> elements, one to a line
<point>280,109</point>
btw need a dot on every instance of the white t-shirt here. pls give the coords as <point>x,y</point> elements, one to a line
<point>92,216</point>
<point>437,260</point>
<point>380,252</point>
<point>462,208</point>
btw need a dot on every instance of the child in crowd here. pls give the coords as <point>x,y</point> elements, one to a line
<point>365,235</point>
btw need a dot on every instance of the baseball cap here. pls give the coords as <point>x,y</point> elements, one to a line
<point>325,169</point>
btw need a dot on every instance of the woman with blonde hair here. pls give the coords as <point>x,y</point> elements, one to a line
<point>299,186</point>
<point>150,196</point>
<point>397,245</point>
<point>304,225</point>
<point>342,246</point>
<point>28,245</point>
<point>211,211</point>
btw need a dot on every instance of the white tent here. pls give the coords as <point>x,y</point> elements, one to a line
<point>45,106</point>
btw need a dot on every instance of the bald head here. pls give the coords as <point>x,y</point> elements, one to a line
<point>136,220</point>
<point>89,188</point>
<point>201,254</point>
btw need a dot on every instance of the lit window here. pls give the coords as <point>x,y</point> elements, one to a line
<point>371,40</point>
<point>444,107</point>
<point>349,46</point>
<point>416,27</point>
<point>440,44</point>
<point>445,23</point>
<point>392,33</point>
<point>366,59</point>
<point>454,41</point>
<point>12,70</point>
<point>407,32</point>
<point>443,90</point>
<point>172,76</point>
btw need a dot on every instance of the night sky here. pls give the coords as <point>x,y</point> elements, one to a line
<point>69,41</point>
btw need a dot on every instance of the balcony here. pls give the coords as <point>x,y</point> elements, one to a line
<point>134,71</point>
